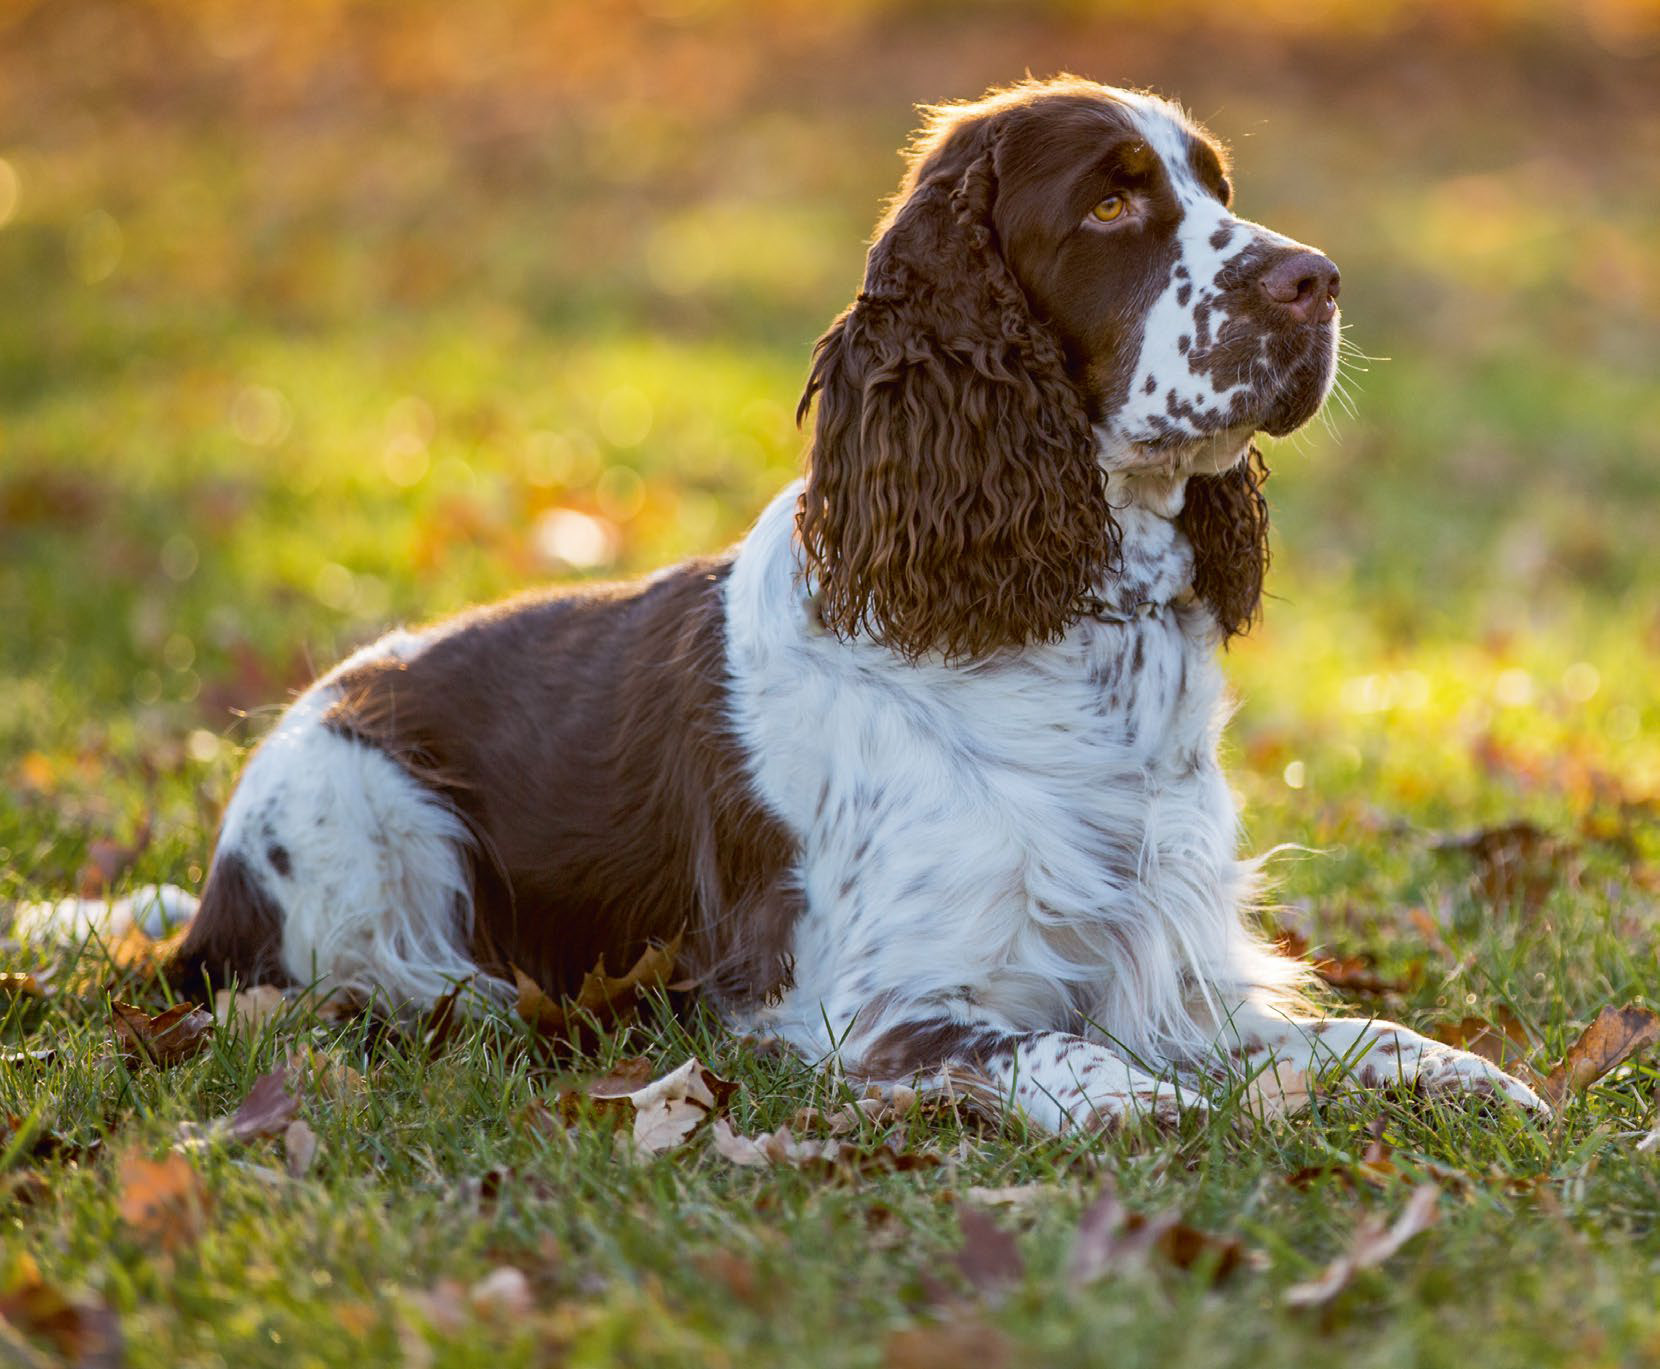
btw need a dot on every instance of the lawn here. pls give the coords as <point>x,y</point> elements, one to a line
<point>338,315</point>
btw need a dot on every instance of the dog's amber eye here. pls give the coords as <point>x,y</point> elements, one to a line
<point>1109,209</point>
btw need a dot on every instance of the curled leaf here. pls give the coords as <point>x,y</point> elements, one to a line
<point>1373,1244</point>
<point>602,1000</point>
<point>161,1201</point>
<point>659,1115</point>
<point>165,1039</point>
<point>1616,1035</point>
<point>82,1331</point>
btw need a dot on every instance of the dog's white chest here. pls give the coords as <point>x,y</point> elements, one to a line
<point>1011,830</point>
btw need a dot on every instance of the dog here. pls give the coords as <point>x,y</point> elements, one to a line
<point>924,770</point>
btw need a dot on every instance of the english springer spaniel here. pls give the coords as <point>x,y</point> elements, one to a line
<point>925,768</point>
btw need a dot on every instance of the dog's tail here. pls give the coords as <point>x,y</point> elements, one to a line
<point>236,933</point>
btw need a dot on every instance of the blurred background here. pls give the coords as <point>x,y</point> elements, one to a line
<point>323,315</point>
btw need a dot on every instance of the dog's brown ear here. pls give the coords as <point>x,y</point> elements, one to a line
<point>1225,517</point>
<point>954,503</point>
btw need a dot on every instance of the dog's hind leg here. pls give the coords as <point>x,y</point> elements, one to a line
<point>338,867</point>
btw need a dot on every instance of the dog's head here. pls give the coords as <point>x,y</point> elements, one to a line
<point>1059,291</point>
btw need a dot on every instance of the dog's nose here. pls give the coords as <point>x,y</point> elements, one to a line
<point>1304,285</point>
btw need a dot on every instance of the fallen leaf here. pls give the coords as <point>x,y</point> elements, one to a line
<point>83,1330</point>
<point>443,1022</point>
<point>1356,974</point>
<point>601,1000</point>
<point>504,1294</point>
<point>267,1110</point>
<point>659,1115</point>
<point>248,1009</point>
<point>733,1272</point>
<point>626,1076</point>
<point>1112,1238</point>
<point>299,1148</point>
<point>1616,1035</point>
<point>1515,862</point>
<point>24,1188</point>
<point>321,1075</point>
<point>1375,1167</point>
<point>829,1156</point>
<point>161,1200</point>
<point>1373,1243</point>
<point>769,1148</point>
<point>988,1258</point>
<point>17,984</point>
<point>165,1039</point>
<point>108,860</point>
<point>1503,1042</point>
<point>948,1346</point>
<point>1277,1090</point>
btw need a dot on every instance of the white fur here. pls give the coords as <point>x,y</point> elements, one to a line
<point>154,909</point>
<point>1046,834</point>
<point>376,896</point>
<point>1163,371</point>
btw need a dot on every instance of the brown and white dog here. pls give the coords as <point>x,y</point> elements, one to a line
<point>926,766</point>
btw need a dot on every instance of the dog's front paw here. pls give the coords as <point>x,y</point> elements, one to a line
<point>1447,1070</point>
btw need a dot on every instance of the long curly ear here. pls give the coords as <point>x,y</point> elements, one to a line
<point>1225,518</point>
<point>953,502</point>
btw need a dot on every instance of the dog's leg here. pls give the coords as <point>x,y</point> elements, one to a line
<point>1060,1081</point>
<point>1360,1052</point>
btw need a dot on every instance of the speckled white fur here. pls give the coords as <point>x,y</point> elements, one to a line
<point>1163,370</point>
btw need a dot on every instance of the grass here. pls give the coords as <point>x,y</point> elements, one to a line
<point>313,338</point>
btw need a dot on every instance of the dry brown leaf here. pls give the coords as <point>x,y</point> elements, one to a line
<point>659,1115</point>
<point>165,1039</point>
<point>299,1148</point>
<point>601,1000</point>
<point>733,1272</point>
<point>624,1077</point>
<point>1373,1243</point>
<point>1375,1167</point>
<point>266,1111</point>
<point>1503,1042</point>
<point>1518,862</point>
<point>1616,1035</point>
<point>1277,1090</point>
<point>162,1201</point>
<point>770,1148</point>
<point>830,1157</point>
<point>319,1073</point>
<point>950,1345</point>
<point>1352,973</point>
<point>248,1009</point>
<point>1357,974</point>
<point>107,861</point>
<point>17,984</point>
<point>503,1294</point>
<point>989,1257</point>
<point>1112,1238</point>
<point>83,1331</point>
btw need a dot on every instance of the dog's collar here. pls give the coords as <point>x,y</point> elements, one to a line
<point>1103,611</point>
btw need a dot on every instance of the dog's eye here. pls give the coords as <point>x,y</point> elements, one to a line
<point>1109,209</point>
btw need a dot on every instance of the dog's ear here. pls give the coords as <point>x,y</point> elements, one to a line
<point>1225,517</point>
<point>954,503</point>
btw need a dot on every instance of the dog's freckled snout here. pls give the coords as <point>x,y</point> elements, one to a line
<point>1304,286</point>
